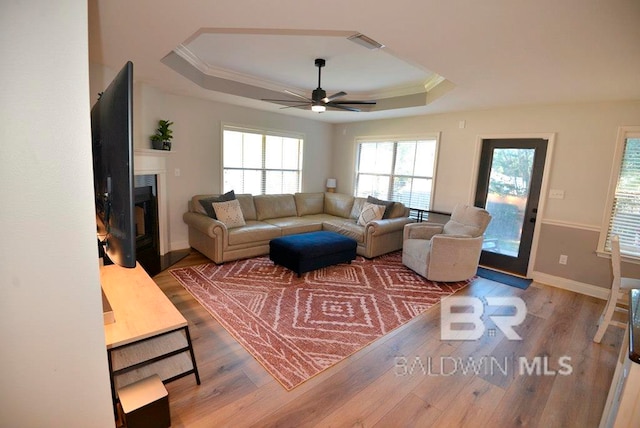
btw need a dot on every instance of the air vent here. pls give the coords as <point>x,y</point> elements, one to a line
<point>365,41</point>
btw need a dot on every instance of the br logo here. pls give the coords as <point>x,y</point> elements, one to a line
<point>458,313</point>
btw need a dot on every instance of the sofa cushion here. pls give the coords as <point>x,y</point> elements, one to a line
<point>294,225</point>
<point>388,205</point>
<point>346,227</point>
<point>229,213</point>
<point>274,206</point>
<point>205,203</point>
<point>338,204</point>
<point>247,206</point>
<point>356,209</point>
<point>309,203</point>
<point>253,232</point>
<point>398,210</point>
<point>370,212</point>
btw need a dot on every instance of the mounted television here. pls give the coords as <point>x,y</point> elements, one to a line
<point>112,144</point>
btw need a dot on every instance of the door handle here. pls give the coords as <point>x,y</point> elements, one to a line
<point>532,220</point>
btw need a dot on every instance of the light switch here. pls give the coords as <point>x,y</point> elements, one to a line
<point>556,194</point>
<point>176,172</point>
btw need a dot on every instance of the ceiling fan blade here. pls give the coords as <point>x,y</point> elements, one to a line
<point>298,95</point>
<point>282,101</point>
<point>334,96</point>
<point>355,102</point>
<point>296,105</point>
<point>341,107</point>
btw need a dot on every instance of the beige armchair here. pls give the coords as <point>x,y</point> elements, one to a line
<point>448,252</point>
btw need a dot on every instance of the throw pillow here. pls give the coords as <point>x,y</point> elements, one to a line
<point>369,213</point>
<point>229,213</point>
<point>206,202</point>
<point>387,204</point>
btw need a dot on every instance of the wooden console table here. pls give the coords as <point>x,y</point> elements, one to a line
<point>149,335</point>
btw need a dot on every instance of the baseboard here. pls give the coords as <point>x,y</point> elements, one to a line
<point>571,285</point>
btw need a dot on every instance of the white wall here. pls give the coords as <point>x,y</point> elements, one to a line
<point>53,358</point>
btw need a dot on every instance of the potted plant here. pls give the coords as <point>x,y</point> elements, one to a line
<point>161,140</point>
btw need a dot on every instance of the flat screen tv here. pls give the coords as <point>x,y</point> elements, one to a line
<point>112,144</point>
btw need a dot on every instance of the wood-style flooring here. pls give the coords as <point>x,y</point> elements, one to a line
<point>554,377</point>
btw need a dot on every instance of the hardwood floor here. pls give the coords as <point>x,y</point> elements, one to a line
<point>410,377</point>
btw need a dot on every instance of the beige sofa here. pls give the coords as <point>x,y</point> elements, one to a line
<point>270,216</point>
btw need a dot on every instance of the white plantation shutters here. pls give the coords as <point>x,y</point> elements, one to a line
<point>261,162</point>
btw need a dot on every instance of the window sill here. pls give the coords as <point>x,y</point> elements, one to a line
<point>625,257</point>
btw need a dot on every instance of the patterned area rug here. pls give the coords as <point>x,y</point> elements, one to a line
<point>298,327</point>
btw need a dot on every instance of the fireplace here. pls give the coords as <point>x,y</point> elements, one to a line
<point>147,231</point>
<point>151,165</point>
<point>150,171</point>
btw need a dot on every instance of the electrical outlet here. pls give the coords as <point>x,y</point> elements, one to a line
<point>563,259</point>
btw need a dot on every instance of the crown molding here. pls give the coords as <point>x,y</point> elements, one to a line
<point>223,73</point>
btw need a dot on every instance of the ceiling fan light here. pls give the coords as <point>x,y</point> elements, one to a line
<point>318,108</point>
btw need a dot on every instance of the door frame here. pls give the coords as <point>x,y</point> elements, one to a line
<point>544,188</point>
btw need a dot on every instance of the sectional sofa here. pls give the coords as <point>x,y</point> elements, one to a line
<point>266,217</point>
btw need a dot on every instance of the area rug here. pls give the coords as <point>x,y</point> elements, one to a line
<point>504,278</point>
<point>297,327</point>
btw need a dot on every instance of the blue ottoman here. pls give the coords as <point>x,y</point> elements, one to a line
<point>314,250</point>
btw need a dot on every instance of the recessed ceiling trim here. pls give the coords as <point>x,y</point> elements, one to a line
<point>222,73</point>
<point>271,31</point>
<point>195,60</point>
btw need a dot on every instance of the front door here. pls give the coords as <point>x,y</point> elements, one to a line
<point>509,181</point>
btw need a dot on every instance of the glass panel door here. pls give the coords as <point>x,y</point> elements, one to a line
<point>509,181</point>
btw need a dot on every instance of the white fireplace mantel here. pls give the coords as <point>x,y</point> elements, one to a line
<point>153,162</point>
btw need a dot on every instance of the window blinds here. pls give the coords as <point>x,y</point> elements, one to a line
<point>625,212</point>
<point>401,171</point>
<point>261,163</point>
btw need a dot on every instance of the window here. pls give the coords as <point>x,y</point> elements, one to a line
<point>260,162</point>
<point>623,206</point>
<point>398,170</point>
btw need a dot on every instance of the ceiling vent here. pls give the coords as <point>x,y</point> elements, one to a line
<point>365,41</point>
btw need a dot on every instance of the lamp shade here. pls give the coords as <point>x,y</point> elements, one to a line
<point>331,183</point>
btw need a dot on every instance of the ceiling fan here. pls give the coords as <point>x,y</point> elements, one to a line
<point>319,100</point>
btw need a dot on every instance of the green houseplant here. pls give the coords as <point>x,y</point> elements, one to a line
<point>161,140</point>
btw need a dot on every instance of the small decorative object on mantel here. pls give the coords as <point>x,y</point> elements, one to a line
<point>161,140</point>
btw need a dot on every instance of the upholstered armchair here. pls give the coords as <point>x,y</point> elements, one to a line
<point>448,252</point>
